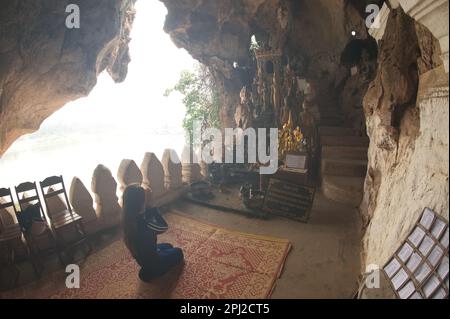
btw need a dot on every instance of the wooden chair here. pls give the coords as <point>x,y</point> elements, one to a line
<point>11,235</point>
<point>27,194</point>
<point>54,187</point>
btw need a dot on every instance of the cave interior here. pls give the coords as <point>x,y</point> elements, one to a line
<point>371,103</point>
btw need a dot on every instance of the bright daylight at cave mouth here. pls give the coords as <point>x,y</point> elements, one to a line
<point>117,120</point>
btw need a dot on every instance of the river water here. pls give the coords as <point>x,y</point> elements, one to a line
<point>35,157</point>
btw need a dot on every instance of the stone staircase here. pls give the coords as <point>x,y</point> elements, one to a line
<point>343,161</point>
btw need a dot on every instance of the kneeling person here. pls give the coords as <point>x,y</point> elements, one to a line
<point>140,234</point>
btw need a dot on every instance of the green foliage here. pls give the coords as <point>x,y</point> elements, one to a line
<point>201,98</point>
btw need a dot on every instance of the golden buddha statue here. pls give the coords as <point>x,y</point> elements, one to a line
<point>290,139</point>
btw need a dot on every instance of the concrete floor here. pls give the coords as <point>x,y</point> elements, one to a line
<point>323,263</point>
<point>325,259</point>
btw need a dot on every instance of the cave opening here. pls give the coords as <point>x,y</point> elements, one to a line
<point>358,49</point>
<point>270,68</point>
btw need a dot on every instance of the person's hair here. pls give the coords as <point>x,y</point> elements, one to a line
<point>133,204</point>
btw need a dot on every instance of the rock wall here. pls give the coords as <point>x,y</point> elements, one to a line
<point>296,40</point>
<point>407,115</point>
<point>44,65</point>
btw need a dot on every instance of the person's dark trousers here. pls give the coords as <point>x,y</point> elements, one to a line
<point>168,257</point>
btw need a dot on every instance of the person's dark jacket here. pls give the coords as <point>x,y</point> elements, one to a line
<point>146,245</point>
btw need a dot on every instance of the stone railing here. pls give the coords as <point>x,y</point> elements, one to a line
<point>164,181</point>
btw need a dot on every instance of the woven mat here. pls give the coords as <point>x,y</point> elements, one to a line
<point>219,263</point>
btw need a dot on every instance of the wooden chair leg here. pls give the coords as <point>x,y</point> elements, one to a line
<point>6,266</point>
<point>38,268</point>
<point>32,257</point>
<point>12,261</point>
<point>88,241</point>
<point>79,235</point>
<point>35,253</point>
<point>15,267</point>
<point>59,245</point>
<point>51,238</point>
<point>7,285</point>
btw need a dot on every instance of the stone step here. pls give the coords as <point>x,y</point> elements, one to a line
<point>330,113</point>
<point>345,190</point>
<point>359,153</point>
<point>343,167</point>
<point>336,131</point>
<point>357,141</point>
<point>332,121</point>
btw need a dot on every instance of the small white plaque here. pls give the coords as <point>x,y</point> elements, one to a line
<point>430,286</point>
<point>416,237</point>
<point>407,291</point>
<point>422,272</point>
<point>427,218</point>
<point>444,239</point>
<point>426,246</point>
<point>440,294</point>
<point>443,268</point>
<point>297,161</point>
<point>435,255</point>
<point>405,252</point>
<point>392,267</point>
<point>438,228</point>
<point>414,262</point>
<point>399,279</point>
<point>416,295</point>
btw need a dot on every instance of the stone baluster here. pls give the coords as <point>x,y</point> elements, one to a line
<point>172,170</point>
<point>128,174</point>
<point>153,176</point>
<point>82,202</point>
<point>105,187</point>
<point>203,166</point>
<point>191,167</point>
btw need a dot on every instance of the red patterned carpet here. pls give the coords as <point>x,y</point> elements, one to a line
<point>219,263</point>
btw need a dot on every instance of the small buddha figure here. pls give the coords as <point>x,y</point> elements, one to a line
<point>289,79</point>
<point>290,139</point>
<point>242,115</point>
<point>265,97</point>
<point>284,112</point>
<point>309,125</point>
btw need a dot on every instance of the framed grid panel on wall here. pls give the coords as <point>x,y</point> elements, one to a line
<point>420,267</point>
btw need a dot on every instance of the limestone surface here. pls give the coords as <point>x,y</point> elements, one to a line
<point>406,109</point>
